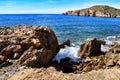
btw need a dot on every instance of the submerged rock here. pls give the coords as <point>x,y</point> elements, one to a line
<point>90,47</point>
<point>26,43</point>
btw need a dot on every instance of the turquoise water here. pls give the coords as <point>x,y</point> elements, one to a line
<point>74,28</point>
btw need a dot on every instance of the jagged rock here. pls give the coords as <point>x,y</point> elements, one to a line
<point>96,11</point>
<point>10,49</point>
<point>35,58</point>
<point>90,47</point>
<point>17,41</point>
<point>65,43</point>
<point>113,53</point>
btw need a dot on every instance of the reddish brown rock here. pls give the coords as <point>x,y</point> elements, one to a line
<point>20,39</point>
<point>10,49</point>
<point>90,47</point>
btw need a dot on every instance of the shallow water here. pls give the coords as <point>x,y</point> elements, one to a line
<point>74,28</point>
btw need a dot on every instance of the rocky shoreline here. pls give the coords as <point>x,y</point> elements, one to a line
<point>96,11</point>
<point>30,50</point>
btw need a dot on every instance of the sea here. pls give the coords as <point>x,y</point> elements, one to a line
<point>74,28</point>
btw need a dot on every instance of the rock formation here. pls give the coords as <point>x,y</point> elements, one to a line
<point>96,11</point>
<point>113,55</point>
<point>90,47</point>
<point>34,46</point>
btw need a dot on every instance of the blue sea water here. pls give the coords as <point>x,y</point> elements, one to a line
<point>74,28</point>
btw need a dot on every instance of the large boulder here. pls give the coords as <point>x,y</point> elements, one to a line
<point>90,47</point>
<point>27,42</point>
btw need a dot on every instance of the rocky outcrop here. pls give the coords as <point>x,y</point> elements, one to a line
<point>51,74</point>
<point>90,47</point>
<point>32,45</point>
<point>96,11</point>
<point>113,55</point>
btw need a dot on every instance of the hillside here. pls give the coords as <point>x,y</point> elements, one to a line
<point>96,11</point>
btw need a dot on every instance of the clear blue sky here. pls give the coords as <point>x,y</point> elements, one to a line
<point>50,6</point>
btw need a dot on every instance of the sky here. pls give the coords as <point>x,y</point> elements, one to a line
<point>50,6</point>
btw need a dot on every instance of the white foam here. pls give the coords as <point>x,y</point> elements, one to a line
<point>104,48</point>
<point>109,40</point>
<point>70,52</point>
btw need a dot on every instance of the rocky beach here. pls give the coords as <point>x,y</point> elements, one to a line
<point>28,52</point>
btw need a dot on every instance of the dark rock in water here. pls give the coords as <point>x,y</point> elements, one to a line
<point>65,43</point>
<point>102,42</point>
<point>35,45</point>
<point>90,47</point>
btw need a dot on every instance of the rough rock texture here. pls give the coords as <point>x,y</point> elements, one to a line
<point>96,11</point>
<point>113,54</point>
<point>51,74</point>
<point>35,45</point>
<point>90,47</point>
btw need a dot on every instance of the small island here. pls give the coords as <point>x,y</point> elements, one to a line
<point>96,11</point>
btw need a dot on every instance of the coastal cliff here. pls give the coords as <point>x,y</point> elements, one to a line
<point>96,11</point>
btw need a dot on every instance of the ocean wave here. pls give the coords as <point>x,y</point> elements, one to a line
<point>70,52</point>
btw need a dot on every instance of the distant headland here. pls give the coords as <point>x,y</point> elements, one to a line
<point>96,11</point>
